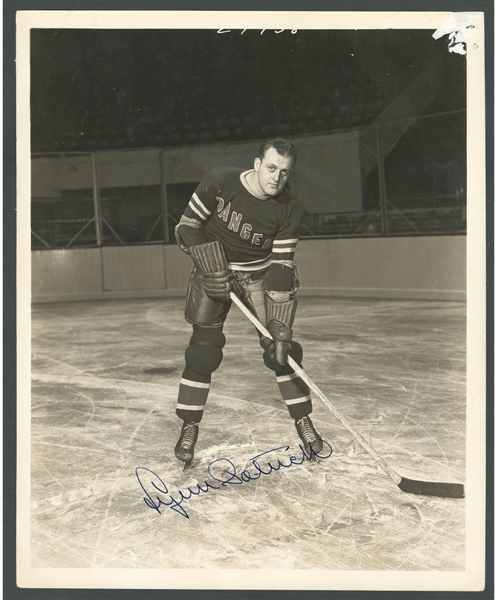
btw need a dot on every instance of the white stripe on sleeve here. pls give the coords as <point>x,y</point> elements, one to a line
<point>194,209</point>
<point>291,241</point>
<point>201,205</point>
<point>283,250</point>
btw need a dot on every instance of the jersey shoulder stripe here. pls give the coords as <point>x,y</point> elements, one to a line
<point>197,207</point>
<point>193,209</point>
<point>279,243</point>
<point>200,204</point>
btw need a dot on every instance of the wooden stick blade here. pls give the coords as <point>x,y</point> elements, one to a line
<point>432,488</point>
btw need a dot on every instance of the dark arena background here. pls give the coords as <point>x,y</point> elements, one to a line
<point>124,125</point>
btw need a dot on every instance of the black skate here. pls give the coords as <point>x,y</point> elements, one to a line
<point>184,449</point>
<point>308,434</point>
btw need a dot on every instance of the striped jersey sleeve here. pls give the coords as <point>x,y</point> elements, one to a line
<point>203,202</point>
<point>285,241</point>
<point>284,249</point>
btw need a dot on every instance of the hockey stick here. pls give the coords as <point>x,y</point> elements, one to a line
<point>412,486</point>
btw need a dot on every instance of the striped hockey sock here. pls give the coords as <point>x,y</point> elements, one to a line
<point>295,393</point>
<point>193,394</point>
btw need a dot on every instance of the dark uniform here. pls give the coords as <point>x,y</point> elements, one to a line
<point>259,237</point>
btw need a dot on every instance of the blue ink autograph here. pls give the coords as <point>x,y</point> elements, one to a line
<point>223,471</point>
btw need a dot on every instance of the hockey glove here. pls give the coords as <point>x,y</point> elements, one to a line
<point>219,285</point>
<point>280,316</point>
<point>218,280</point>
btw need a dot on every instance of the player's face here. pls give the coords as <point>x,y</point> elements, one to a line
<point>273,172</point>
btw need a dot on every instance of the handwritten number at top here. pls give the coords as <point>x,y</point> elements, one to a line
<point>293,31</point>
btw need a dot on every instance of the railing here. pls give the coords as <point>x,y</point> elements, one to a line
<point>412,171</point>
<point>420,221</point>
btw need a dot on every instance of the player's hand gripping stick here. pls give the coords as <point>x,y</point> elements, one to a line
<point>412,486</point>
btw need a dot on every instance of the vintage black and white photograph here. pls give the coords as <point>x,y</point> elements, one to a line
<point>256,345</point>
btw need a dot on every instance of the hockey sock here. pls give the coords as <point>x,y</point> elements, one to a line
<point>203,356</point>
<point>193,394</point>
<point>295,393</point>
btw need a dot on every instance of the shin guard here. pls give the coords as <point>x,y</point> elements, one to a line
<point>294,391</point>
<point>203,357</point>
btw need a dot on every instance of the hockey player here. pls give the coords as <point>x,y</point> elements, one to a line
<point>241,230</point>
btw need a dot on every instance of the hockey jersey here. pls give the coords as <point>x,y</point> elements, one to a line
<point>254,232</point>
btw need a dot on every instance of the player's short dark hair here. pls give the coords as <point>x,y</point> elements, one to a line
<point>283,148</point>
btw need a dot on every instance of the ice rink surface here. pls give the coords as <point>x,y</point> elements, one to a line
<point>105,379</point>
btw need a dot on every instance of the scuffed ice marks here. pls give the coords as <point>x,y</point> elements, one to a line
<point>94,420</point>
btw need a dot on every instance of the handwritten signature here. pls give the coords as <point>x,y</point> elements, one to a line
<point>221,470</point>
